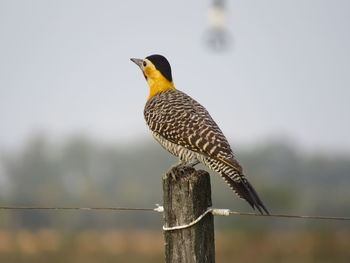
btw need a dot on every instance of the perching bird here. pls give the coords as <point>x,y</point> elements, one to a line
<point>185,128</point>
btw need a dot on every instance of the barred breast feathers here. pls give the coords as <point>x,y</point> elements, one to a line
<point>180,119</point>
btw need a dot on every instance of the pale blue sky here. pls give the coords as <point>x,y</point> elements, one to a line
<point>65,69</point>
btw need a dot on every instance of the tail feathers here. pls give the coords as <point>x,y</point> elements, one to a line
<point>247,192</point>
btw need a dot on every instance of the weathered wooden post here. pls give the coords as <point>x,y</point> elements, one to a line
<point>187,195</point>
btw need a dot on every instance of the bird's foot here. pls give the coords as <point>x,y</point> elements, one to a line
<point>178,165</point>
<point>174,167</point>
<point>181,167</point>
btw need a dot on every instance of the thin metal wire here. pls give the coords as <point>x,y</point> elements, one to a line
<point>291,216</point>
<point>157,210</point>
<point>73,208</point>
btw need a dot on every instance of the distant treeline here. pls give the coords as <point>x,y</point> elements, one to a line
<point>84,172</point>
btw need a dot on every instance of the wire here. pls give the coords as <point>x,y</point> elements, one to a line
<point>73,208</point>
<point>171,228</point>
<point>227,212</point>
<point>160,209</point>
<point>292,216</point>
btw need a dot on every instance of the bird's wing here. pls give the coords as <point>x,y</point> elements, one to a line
<point>185,122</point>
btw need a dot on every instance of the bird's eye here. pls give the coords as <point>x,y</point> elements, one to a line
<point>144,63</point>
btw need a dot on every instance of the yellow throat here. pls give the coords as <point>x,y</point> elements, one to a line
<point>156,81</point>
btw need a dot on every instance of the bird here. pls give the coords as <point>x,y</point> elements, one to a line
<point>185,128</point>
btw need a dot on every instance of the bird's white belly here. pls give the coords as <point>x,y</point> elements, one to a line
<point>184,154</point>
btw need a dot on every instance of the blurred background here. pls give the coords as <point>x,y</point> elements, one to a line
<point>273,74</point>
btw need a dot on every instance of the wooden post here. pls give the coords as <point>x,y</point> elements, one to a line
<point>187,195</point>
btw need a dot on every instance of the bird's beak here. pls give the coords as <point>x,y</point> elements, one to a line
<point>137,61</point>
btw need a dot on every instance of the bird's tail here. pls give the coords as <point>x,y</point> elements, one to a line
<point>246,191</point>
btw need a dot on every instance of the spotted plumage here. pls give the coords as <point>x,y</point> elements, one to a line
<point>185,128</point>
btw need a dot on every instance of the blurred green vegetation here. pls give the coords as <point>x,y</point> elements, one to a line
<point>84,172</point>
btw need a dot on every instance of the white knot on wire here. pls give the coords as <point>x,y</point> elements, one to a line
<point>159,208</point>
<point>220,212</point>
<point>214,211</point>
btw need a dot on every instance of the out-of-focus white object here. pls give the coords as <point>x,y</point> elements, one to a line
<point>217,36</point>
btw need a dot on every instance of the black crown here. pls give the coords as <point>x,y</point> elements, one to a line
<point>162,64</point>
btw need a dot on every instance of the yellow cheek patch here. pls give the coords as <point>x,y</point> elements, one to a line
<point>148,70</point>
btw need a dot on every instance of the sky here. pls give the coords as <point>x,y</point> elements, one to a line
<point>65,68</point>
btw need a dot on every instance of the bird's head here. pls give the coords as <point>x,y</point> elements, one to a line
<point>157,72</point>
